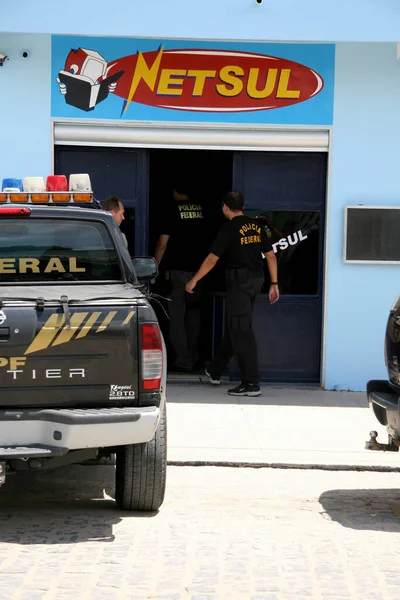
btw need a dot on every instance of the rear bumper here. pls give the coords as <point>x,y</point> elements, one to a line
<point>49,432</point>
<point>385,403</point>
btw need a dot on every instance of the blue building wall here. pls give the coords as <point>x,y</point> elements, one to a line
<point>25,146</point>
<point>273,20</point>
<point>364,169</point>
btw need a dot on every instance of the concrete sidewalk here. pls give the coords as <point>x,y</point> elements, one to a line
<point>302,427</point>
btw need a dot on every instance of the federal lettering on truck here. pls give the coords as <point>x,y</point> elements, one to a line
<point>34,265</point>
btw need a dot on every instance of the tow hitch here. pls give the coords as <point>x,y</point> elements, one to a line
<point>2,473</point>
<point>373,444</point>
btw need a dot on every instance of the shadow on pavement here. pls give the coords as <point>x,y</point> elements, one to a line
<point>65,506</point>
<point>373,509</point>
<point>270,396</point>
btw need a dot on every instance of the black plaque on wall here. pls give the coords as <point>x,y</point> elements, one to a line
<point>372,234</point>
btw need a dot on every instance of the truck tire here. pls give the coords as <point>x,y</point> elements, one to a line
<point>141,472</point>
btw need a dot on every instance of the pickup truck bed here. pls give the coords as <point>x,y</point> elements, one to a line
<point>82,362</point>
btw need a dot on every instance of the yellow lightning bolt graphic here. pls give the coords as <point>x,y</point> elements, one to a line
<point>143,71</point>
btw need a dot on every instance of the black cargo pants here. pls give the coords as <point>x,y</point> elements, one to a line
<point>185,319</point>
<point>239,340</point>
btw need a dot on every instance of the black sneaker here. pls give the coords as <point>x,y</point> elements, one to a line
<point>245,389</point>
<point>212,380</point>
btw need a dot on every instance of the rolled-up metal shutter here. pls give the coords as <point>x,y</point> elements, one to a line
<point>196,136</point>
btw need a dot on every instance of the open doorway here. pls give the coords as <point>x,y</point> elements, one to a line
<point>211,174</point>
<point>287,189</point>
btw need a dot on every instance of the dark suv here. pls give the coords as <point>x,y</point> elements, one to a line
<point>384,396</point>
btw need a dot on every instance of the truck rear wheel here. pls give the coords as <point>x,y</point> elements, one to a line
<point>141,472</point>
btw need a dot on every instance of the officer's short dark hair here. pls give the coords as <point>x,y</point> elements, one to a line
<point>234,201</point>
<point>111,203</point>
<point>181,185</point>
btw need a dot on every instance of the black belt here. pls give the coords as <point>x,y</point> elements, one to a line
<point>241,274</point>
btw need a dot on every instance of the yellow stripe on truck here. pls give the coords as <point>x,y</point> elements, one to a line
<point>47,333</point>
<point>129,317</point>
<point>106,321</point>
<point>67,334</point>
<point>88,325</point>
<point>54,331</point>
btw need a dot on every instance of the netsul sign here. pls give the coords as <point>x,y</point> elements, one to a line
<point>193,82</point>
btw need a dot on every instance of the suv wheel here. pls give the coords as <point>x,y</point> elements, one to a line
<point>141,472</point>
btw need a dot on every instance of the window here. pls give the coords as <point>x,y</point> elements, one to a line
<point>295,238</point>
<point>50,250</point>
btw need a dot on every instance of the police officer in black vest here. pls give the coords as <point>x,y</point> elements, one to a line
<point>183,233</point>
<point>242,242</point>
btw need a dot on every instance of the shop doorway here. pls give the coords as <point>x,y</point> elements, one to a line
<point>286,189</point>
<point>209,174</point>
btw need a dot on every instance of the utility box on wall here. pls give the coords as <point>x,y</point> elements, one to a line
<point>371,234</point>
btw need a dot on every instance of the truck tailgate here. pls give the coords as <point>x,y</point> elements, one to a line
<point>49,358</point>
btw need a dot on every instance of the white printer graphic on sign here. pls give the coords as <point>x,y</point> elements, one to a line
<point>84,81</point>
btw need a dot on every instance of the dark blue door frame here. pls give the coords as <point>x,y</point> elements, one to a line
<point>142,204</point>
<point>288,333</point>
<point>122,172</point>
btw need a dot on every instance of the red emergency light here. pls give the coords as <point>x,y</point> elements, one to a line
<point>15,210</point>
<point>56,183</point>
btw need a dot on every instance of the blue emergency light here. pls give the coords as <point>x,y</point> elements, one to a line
<point>10,183</point>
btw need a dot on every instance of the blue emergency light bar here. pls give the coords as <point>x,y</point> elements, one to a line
<point>33,190</point>
<point>46,198</point>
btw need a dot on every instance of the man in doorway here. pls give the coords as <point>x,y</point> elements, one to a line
<point>183,232</point>
<point>242,242</point>
<point>114,205</point>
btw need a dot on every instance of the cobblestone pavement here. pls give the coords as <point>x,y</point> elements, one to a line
<point>253,534</point>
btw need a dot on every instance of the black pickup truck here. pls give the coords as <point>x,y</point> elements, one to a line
<point>384,396</point>
<point>82,358</point>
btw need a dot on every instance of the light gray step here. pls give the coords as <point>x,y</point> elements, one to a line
<point>8,452</point>
<point>77,416</point>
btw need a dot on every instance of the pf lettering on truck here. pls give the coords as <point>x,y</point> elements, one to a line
<point>13,362</point>
<point>83,360</point>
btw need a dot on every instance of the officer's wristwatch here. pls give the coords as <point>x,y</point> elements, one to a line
<point>274,283</point>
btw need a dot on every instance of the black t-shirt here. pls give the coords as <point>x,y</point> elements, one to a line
<point>241,241</point>
<point>187,246</point>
